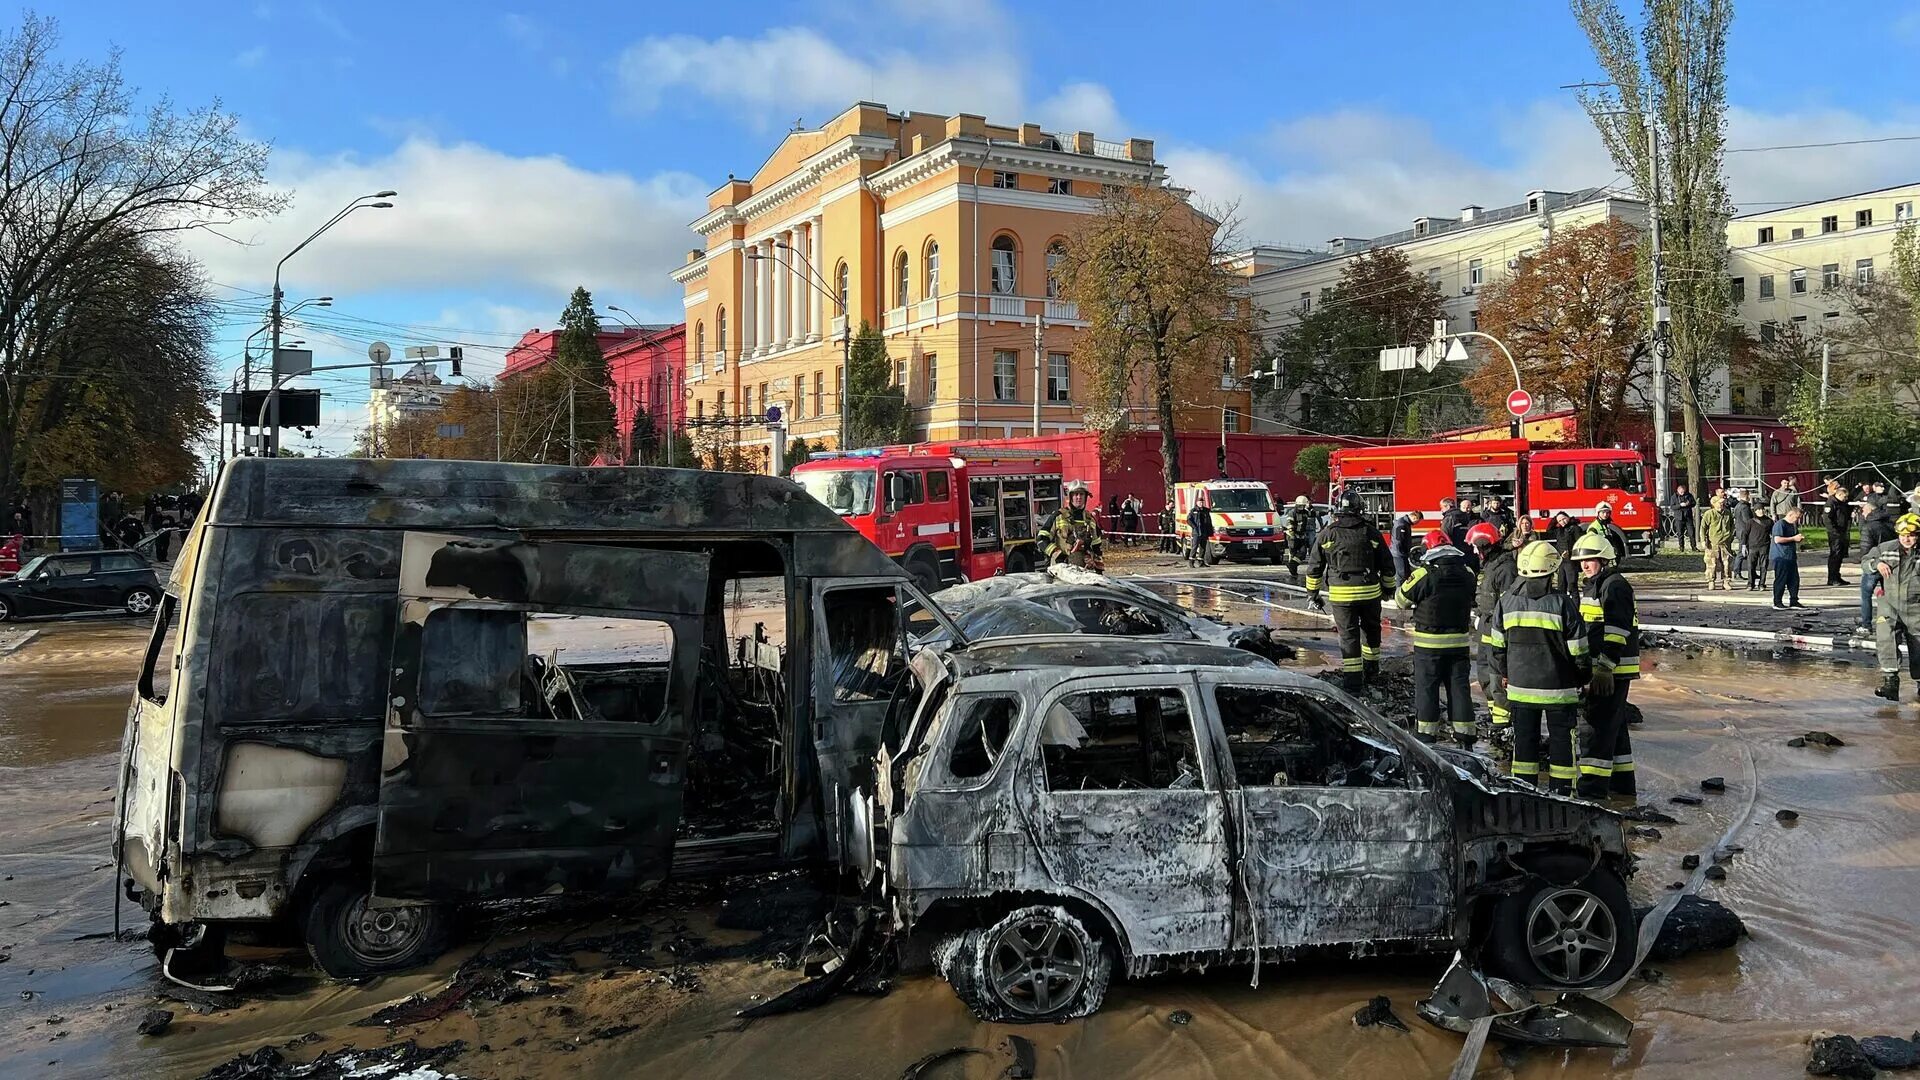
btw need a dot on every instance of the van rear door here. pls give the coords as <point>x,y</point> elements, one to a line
<point>537,718</point>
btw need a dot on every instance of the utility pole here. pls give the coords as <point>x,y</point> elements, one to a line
<point>1039,359</point>
<point>1660,313</point>
<point>496,421</point>
<point>573,455</point>
<point>1826,370</point>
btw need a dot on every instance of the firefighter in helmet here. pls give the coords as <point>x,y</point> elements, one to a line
<point>1540,654</point>
<point>1076,535</point>
<point>1897,610</point>
<point>1497,574</point>
<point>1607,606</point>
<point>1301,526</point>
<point>1440,593</point>
<point>1351,563</point>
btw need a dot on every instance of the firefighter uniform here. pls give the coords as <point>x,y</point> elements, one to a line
<point>1540,652</point>
<point>1497,575</point>
<point>1351,563</point>
<point>1608,608</point>
<point>1896,612</point>
<point>1076,538</point>
<point>1440,593</point>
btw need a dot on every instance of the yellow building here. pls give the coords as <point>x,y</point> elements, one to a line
<point>938,230</point>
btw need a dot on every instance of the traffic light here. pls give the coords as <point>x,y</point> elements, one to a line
<point>453,358</point>
<point>1220,460</point>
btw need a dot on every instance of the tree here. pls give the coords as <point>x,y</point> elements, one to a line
<point>1332,353</point>
<point>877,410</point>
<point>466,427</point>
<point>797,452</point>
<point>85,180</point>
<point>1148,274</point>
<point>1852,427</point>
<point>1314,464</point>
<point>1674,78</point>
<point>1574,317</point>
<point>578,379</point>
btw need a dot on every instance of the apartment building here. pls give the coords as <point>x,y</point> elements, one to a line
<point>1789,268</point>
<point>941,231</point>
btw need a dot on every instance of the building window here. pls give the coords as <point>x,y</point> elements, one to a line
<point>1004,256</point>
<point>819,384</point>
<point>1863,272</point>
<point>1306,303</point>
<point>901,279</point>
<point>1768,332</point>
<point>1006,180</point>
<point>700,409</point>
<point>1476,273</point>
<point>720,403</point>
<point>1863,219</point>
<point>932,274</point>
<point>1903,211</point>
<point>1830,275</point>
<point>900,373</point>
<point>1766,235</point>
<point>1230,421</point>
<point>1057,377</point>
<point>720,328</point>
<point>1433,276</point>
<point>1005,383</point>
<point>1830,223</point>
<point>1766,286</point>
<point>840,280</point>
<point>1797,234</point>
<point>1766,396</point>
<point>699,341</point>
<point>839,377</point>
<point>1797,282</point>
<point>1056,255</point>
<point>1737,288</point>
<point>933,379</point>
<point>1830,315</point>
<point>1059,186</point>
<point>1798,322</point>
<point>799,395</point>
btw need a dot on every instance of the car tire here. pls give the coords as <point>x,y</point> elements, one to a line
<point>1569,927</point>
<point>925,571</point>
<point>140,601</point>
<point>347,939</point>
<point>1038,964</point>
<point>1018,561</point>
<point>6,610</point>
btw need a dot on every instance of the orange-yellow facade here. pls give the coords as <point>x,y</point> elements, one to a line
<point>936,230</point>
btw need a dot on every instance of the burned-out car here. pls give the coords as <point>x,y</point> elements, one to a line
<point>1056,809</point>
<point>380,689</point>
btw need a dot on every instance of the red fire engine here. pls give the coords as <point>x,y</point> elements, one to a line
<point>1538,483</point>
<point>945,512</point>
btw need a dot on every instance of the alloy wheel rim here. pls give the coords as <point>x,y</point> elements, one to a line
<point>1571,935</point>
<point>378,935</point>
<point>1036,965</point>
<point>139,603</point>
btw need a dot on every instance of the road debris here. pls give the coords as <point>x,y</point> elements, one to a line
<point>1378,1012</point>
<point>1688,800</point>
<point>1180,1018</point>
<point>1839,1055</point>
<point>1786,817</point>
<point>399,1061</point>
<point>1892,1052</point>
<point>1696,924</point>
<point>1648,814</point>
<point>155,1022</point>
<point>919,1068</point>
<point>1714,783</point>
<point>1024,1059</point>
<point>1817,738</point>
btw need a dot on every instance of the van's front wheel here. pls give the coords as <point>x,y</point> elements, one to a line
<point>347,937</point>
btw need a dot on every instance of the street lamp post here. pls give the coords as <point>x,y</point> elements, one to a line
<point>276,315</point>
<point>814,279</point>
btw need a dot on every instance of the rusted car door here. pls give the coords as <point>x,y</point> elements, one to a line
<point>506,772</point>
<point>1345,840</point>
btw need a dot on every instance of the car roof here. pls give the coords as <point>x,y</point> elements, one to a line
<point>1093,654</point>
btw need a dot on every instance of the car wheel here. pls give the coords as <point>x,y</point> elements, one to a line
<point>1035,965</point>
<point>926,572</point>
<point>1570,927</point>
<point>1018,561</point>
<point>347,938</point>
<point>6,611</point>
<point>140,602</point>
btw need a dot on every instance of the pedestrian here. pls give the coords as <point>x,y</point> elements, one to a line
<point>1876,516</point>
<point>1680,509</point>
<point>1540,655</point>
<point>1497,575</point>
<point>1351,562</point>
<point>1449,515</point>
<point>1839,528</point>
<point>1440,594</point>
<point>1076,535</point>
<point>1716,543</point>
<point>1497,515</point>
<point>1785,497</point>
<point>1200,528</point>
<point>1898,603</point>
<point>1463,519</point>
<point>1129,519</point>
<point>1401,542</point>
<point>1562,532</point>
<point>1784,554</point>
<point>1759,538</point>
<point>1741,510</point>
<point>1602,526</point>
<point>1169,543</point>
<point>1613,645</point>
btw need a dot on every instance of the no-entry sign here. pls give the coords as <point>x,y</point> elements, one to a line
<point>1519,402</point>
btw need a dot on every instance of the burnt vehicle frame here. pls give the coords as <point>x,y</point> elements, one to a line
<point>1031,892</point>
<point>343,722</point>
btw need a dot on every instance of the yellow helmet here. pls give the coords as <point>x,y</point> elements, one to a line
<point>1908,523</point>
<point>1590,546</point>
<point>1538,559</point>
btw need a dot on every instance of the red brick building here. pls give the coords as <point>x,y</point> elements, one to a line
<point>648,365</point>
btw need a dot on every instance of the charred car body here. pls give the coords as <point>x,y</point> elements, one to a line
<point>362,705</point>
<point>1058,808</point>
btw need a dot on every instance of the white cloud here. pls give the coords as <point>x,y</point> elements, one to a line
<point>468,217</point>
<point>1771,178</point>
<point>251,58</point>
<point>1081,106</point>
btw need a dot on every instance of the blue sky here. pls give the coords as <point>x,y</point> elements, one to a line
<point>536,147</point>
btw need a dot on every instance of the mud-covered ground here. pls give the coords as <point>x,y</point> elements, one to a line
<point>1832,899</point>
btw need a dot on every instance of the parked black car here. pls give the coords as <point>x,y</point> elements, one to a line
<point>81,581</point>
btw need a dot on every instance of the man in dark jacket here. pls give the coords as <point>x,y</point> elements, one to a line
<point>1351,564</point>
<point>1440,593</point>
<point>1759,537</point>
<point>1741,510</point>
<point>1540,654</point>
<point>1400,543</point>
<point>1876,515</point>
<point>1680,508</point>
<point>1200,524</point>
<point>1839,528</point>
<point>1497,515</point>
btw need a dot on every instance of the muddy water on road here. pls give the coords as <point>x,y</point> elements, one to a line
<point>1833,902</point>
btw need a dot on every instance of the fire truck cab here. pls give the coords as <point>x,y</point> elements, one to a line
<point>1537,483</point>
<point>945,512</point>
<point>1245,524</point>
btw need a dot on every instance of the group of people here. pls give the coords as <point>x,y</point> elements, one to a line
<point>1557,653</point>
<point>1739,538</point>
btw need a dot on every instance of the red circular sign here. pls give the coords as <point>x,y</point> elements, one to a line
<point>1519,402</point>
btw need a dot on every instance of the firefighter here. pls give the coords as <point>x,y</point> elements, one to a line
<point>1497,573</point>
<point>1440,594</point>
<point>1301,525</point>
<point>1897,611</point>
<point>1076,535</point>
<point>1608,608</point>
<point>1540,654</point>
<point>1351,564</point>
<point>1602,526</point>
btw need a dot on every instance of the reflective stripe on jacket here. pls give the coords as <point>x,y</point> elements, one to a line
<point>1440,593</point>
<point>1539,644</point>
<point>1613,623</point>
<point>1350,561</point>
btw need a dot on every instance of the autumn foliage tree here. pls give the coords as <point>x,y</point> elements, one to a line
<point>1574,317</point>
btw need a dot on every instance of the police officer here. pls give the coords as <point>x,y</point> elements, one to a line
<point>1351,563</point>
<point>1076,535</point>
<point>1440,593</point>
<point>1302,526</point>
<point>1200,525</point>
<point>1540,652</point>
<point>1497,575</point>
<point>1897,609</point>
<point>1613,643</point>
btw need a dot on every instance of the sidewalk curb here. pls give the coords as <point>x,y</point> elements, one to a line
<point>9,649</point>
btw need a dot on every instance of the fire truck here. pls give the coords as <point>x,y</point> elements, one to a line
<point>946,512</point>
<point>1244,522</point>
<point>1536,482</point>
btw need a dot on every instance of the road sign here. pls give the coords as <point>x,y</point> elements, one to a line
<point>1456,352</point>
<point>422,352</point>
<point>379,352</point>
<point>1430,357</point>
<point>773,414</point>
<point>290,362</point>
<point>1399,359</point>
<point>1519,403</point>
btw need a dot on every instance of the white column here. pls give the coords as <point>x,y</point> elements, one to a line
<point>782,291</point>
<point>803,283</point>
<point>795,329</point>
<point>765,313</point>
<point>743,317</point>
<point>821,308</point>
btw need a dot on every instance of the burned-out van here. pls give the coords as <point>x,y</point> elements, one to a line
<point>380,689</point>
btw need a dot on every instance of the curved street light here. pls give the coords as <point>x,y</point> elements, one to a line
<point>276,316</point>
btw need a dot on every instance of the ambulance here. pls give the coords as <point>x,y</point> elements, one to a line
<point>1245,523</point>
